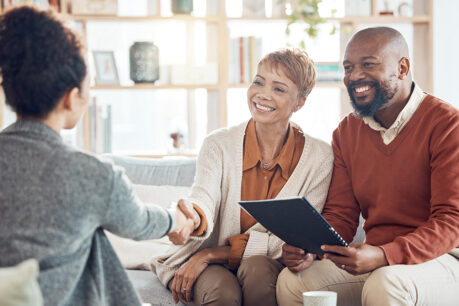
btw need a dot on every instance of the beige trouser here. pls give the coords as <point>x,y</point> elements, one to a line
<point>254,284</point>
<point>435,282</point>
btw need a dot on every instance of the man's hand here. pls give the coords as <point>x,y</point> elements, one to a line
<point>185,277</point>
<point>358,258</point>
<point>296,259</point>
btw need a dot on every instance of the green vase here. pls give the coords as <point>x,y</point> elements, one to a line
<point>182,6</point>
<point>144,62</point>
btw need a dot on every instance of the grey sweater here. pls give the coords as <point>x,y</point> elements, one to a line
<point>54,203</point>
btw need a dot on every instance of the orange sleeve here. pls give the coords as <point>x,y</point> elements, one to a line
<point>238,244</point>
<point>203,225</point>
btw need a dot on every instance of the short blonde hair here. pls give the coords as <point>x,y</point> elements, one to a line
<point>297,66</point>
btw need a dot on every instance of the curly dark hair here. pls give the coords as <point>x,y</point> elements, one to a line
<point>40,60</point>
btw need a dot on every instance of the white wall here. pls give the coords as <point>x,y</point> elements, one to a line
<point>446,50</point>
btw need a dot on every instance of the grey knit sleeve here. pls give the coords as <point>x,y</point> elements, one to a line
<point>128,217</point>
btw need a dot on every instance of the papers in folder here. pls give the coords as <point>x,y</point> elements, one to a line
<point>295,221</point>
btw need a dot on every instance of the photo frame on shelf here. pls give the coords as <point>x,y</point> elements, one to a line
<point>106,72</point>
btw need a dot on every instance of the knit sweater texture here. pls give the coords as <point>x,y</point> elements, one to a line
<point>217,190</point>
<point>54,204</point>
<point>407,191</point>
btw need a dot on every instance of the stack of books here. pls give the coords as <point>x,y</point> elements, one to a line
<point>100,127</point>
<point>245,53</point>
<point>329,72</point>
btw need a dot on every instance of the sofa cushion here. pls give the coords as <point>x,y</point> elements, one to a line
<point>153,171</point>
<point>163,195</point>
<point>150,288</point>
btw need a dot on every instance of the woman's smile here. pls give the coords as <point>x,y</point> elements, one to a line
<point>262,108</point>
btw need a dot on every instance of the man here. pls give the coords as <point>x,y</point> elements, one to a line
<point>397,164</point>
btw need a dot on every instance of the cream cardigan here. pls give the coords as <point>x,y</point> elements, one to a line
<point>217,190</point>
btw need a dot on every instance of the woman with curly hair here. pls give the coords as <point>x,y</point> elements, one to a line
<point>55,201</point>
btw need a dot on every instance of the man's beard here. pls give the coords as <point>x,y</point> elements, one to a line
<point>383,94</point>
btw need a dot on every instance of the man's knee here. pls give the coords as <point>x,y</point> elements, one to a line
<point>385,286</point>
<point>288,290</point>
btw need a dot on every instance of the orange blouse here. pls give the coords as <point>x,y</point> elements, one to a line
<point>259,183</point>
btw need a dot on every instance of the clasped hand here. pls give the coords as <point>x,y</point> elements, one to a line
<point>186,221</point>
<point>358,258</point>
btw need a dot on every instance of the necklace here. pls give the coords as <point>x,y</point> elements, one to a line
<point>266,165</point>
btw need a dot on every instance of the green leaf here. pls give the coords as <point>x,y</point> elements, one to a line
<point>333,31</point>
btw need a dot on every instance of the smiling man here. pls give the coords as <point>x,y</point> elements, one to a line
<point>397,164</point>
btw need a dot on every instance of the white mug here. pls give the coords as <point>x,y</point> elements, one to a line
<point>319,298</point>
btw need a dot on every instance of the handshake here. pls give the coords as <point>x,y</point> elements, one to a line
<point>187,220</point>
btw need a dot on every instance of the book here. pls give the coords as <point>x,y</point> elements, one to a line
<point>329,72</point>
<point>245,53</point>
<point>295,221</point>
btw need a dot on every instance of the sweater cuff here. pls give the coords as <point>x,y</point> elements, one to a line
<point>202,228</point>
<point>257,244</point>
<point>238,244</point>
<point>393,253</point>
<point>172,223</point>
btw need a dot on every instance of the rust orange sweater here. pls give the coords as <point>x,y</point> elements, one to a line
<point>408,190</point>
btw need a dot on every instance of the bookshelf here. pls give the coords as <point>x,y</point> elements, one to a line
<point>218,23</point>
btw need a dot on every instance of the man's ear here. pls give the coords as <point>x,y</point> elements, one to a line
<point>403,68</point>
<point>300,103</point>
<point>71,97</point>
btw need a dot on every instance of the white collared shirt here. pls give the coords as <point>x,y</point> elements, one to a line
<point>388,135</point>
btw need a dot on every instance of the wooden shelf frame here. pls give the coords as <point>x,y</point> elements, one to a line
<point>422,49</point>
<point>347,19</point>
<point>153,87</point>
<point>112,18</point>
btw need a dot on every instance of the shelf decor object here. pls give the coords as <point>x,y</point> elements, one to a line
<point>94,7</point>
<point>253,8</point>
<point>106,72</point>
<point>144,62</point>
<point>182,6</point>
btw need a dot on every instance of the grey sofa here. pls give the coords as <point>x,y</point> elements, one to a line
<point>176,172</point>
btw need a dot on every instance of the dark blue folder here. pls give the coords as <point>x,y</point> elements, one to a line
<point>295,221</point>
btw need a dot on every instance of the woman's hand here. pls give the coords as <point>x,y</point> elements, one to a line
<point>186,219</point>
<point>187,208</point>
<point>183,227</point>
<point>358,258</point>
<point>183,281</point>
<point>185,277</point>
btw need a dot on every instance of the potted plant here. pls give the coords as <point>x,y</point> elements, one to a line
<point>306,12</point>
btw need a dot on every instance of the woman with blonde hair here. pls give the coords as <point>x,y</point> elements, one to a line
<point>234,260</point>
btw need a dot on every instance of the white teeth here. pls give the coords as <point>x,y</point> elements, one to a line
<point>263,108</point>
<point>362,89</point>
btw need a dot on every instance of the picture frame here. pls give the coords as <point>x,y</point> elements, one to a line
<point>106,71</point>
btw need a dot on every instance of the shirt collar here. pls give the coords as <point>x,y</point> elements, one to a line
<point>404,116</point>
<point>285,157</point>
<point>252,154</point>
